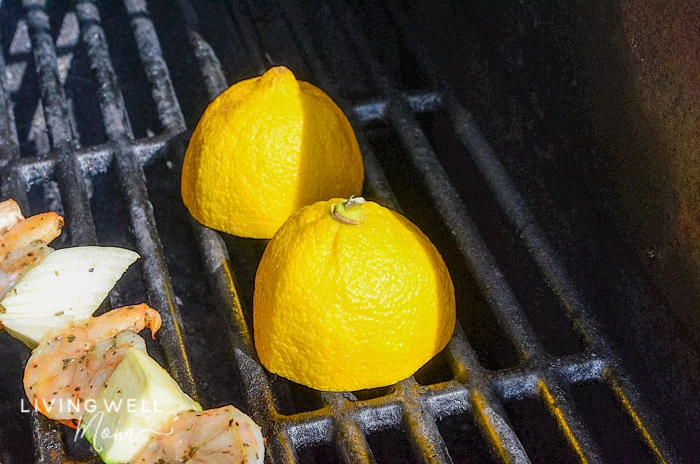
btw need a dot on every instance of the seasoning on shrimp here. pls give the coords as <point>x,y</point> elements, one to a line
<point>66,370</point>
<point>222,435</point>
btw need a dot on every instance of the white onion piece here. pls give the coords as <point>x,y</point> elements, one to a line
<point>67,286</point>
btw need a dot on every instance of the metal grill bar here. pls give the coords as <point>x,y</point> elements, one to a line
<point>424,435</point>
<point>73,190</point>
<point>218,268</point>
<point>116,121</point>
<point>522,382</point>
<point>449,206</point>
<point>209,65</point>
<point>515,207</point>
<point>75,200</point>
<point>130,173</point>
<point>348,433</point>
<point>60,133</point>
<point>92,160</point>
<point>12,183</point>
<point>374,110</point>
<point>154,64</point>
<point>158,283</point>
<point>484,406</point>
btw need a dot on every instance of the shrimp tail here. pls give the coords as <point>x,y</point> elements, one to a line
<point>153,322</point>
<point>151,317</point>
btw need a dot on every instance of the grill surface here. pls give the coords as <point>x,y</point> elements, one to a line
<point>93,124</point>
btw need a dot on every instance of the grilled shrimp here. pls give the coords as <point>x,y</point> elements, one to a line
<point>68,369</point>
<point>23,242</point>
<point>223,435</point>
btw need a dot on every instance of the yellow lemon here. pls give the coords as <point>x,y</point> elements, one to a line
<point>350,295</point>
<point>263,149</point>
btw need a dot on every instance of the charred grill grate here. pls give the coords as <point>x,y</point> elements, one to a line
<point>345,423</point>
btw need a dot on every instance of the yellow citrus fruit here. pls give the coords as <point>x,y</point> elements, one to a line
<point>350,295</point>
<point>263,149</point>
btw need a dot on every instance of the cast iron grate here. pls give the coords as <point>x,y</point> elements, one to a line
<point>48,158</point>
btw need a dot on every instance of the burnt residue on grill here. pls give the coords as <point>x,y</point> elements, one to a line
<point>97,102</point>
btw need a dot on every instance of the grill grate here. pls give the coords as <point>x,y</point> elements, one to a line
<point>342,421</point>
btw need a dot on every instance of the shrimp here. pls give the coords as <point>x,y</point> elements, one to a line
<point>223,435</point>
<point>70,368</point>
<point>23,242</point>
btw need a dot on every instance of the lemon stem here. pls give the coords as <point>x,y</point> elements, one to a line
<point>349,211</point>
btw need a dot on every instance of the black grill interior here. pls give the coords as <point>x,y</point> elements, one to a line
<point>95,108</point>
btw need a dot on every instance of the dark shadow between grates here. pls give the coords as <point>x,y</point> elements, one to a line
<point>538,432</point>
<point>78,448</point>
<point>224,38</point>
<point>275,38</point>
<point>436,370</point>
<point>332,46</point>
<point>602,414</point>
<point>321,454</point>
<point>109,211</point>
<point>391,446</point>
<point>464,441</point>
<point>79,88</point>
<point>401,68</point>
<point>293,398</point>
<point>245,254</point>
<point>371,393</point>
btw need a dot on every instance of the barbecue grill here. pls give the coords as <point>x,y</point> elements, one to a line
<point>96,104</point>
